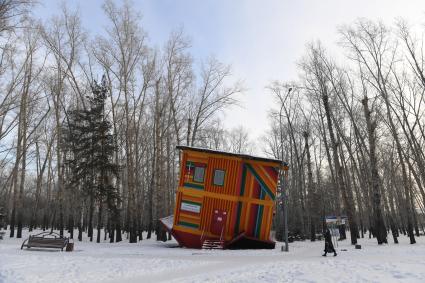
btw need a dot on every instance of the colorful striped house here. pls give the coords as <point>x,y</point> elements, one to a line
<point>224,196</point>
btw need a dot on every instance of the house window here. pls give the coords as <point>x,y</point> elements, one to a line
<point>198,175</point>
<point>218,177</point>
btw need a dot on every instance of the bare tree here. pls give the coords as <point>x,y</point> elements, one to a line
<point>212,95</point>
<point>373,49</point>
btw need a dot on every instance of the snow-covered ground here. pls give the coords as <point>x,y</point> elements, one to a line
<point>151,261</point>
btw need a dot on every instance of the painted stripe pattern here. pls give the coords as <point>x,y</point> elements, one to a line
<point>247,196</point>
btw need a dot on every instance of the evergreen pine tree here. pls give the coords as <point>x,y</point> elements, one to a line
<point>91,144</point>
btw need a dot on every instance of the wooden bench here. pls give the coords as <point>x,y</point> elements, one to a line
<point>46,240</point>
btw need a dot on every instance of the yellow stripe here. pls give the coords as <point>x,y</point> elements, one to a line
<point>207,155</point>
<point>266,179</point>
<point>198,232</point>
<point>271,180</point>
<point>189,219</point>
<point>265,227</point>
<point>204,156</point>
<point>247,216</point>
<point>227,157</point>
<point>178,195</point>
<point>192,158</point>
<point>193,192</point>
<point>263,163</point>
<point>249,184</point>
<point>192,198</point>
<point>269,217</point>
<point>197,218</point>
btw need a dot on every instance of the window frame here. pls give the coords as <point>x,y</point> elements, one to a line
<point>224,177</point>
<point>203,174</point>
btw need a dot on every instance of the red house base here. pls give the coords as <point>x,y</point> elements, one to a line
<point>193,241</point>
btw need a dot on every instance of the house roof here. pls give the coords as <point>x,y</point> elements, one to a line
<point>242,156</point>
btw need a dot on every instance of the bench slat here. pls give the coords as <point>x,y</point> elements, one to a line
<point>44,246</point>
<point>46,243</point>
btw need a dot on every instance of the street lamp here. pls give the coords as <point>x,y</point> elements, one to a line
<point>283,178</point>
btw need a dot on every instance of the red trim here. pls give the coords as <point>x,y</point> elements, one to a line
<point>233,218</point>
<point>272,172</point>
<point>256,190</point>
<point>252,219</point>
<point>239,179</point>
<point>177,207</point>
<point>184,212</point>
<point>183,169</point>
<point>199,164</point>
<point>187,240</point>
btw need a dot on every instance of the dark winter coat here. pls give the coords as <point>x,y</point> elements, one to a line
<point>329,246</point>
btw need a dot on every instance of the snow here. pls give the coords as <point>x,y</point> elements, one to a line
<point>151,261</point>
<point>168,221</point>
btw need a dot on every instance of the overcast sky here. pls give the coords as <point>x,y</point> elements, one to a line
<point>261,39</point>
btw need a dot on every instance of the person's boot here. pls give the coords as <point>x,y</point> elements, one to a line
<point>334,253</point>
<point>324,254</point>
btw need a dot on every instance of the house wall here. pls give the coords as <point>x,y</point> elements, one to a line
<point>249,207</point>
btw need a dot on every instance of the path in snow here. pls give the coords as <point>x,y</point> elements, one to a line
<point>151,261</point>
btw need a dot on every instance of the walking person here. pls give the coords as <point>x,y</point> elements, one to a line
<point>329,246</point>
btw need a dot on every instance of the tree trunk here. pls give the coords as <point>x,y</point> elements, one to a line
<point>378,219</point>
<point>348,202</point>
<point>91,212</point>
<point>311,191</point>
<point>99,222</point>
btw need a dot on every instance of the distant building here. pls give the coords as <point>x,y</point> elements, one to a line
<point>224,198</point>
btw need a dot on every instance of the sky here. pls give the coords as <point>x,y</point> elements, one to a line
<point>261,39</point>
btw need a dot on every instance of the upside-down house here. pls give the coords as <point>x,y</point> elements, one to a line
<point>224,199</point>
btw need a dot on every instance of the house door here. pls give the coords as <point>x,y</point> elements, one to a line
<point>218,223</point>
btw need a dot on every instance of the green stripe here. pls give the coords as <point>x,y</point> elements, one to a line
<point>259,220</point>
<point>263,185</point>
<point>190,163</point>
<point>187,224</point>
<point>191,202</point>
<point>193,186</point>
<point>243,181</point>
<point>238,217</point>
